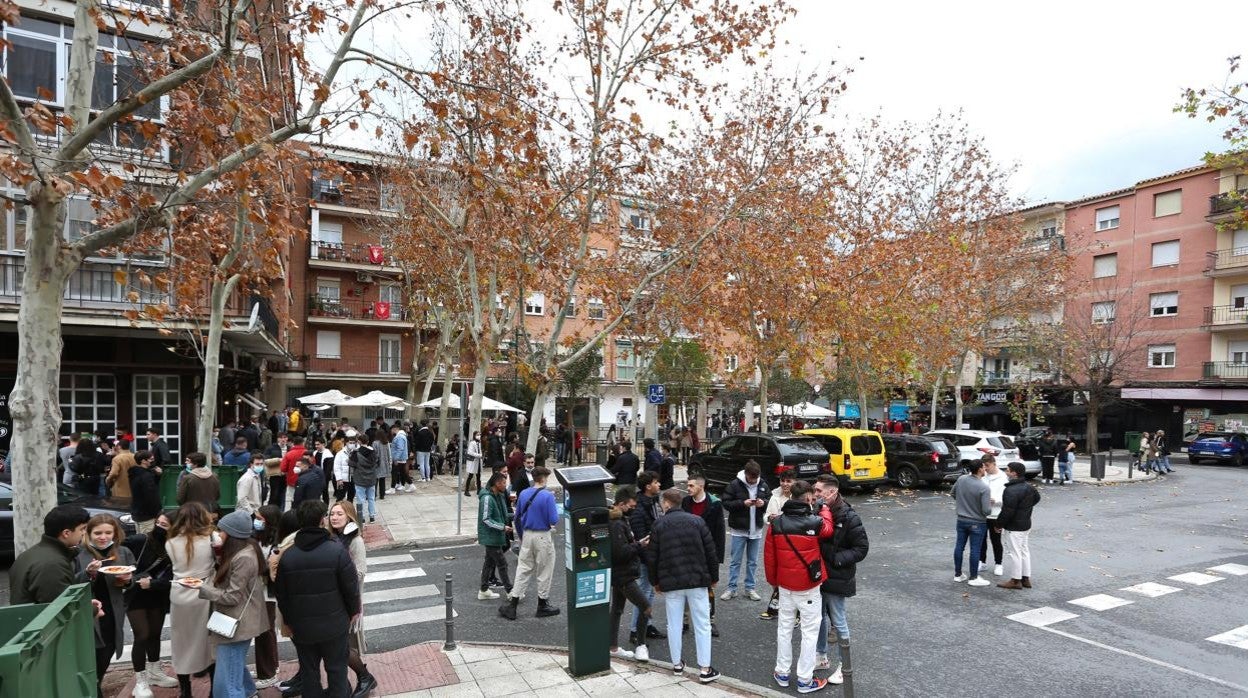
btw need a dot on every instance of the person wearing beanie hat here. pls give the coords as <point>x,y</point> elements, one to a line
<point>236,590</point>
<point>236,524</point>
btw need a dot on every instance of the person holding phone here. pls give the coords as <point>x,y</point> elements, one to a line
<point>745,498</point>
<point>626,553</point>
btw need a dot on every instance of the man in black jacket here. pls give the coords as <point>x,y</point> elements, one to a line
<point>1015,519</point>
<point>144,491</point>
<point>311,482</point>
<point>319,596</point>
<point>641,520</point>
<point>683,563</point>
<point>159,448</point>
<point>841,554</point>
<point>626,465</point>
<point>703,504</point>
<point>626,552</point>
<point>422,444</point>
<point>745,498</point>
<point>653,461</point>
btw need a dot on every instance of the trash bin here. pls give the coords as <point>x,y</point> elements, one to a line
<point>601,452</point>
<point>228,476</point>
<point>1133,441</point>
<point>1046,467</point>
<point>1098,465</point>
<point>49,649</point>
<point>169,486</point>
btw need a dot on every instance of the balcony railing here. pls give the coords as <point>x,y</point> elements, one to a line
<point>1227,202</point>
<point>366,195</point>
<point>995,377</point>
<point>94,284</point>
<point>353,253</point>
<point>1234,258</point>
<point>1225,370</point>
<point>355,309</point>
<point>1226,315</point>
<point>368,366</point>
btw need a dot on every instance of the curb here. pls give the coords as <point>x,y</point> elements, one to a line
<point>737,684</point>
<point>426,543</point>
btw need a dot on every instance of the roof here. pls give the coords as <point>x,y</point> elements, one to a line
<point>1143,183</point>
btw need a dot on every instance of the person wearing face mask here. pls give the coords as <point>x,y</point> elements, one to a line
<point>341,469</point>
<point>199,484</point>
<point>251,486</point>
<point>104,535</point>
<point>366,468</point>
<point>147,604</point>
<point>264,526</point>
<point>145,503</point>
<point>310,481</point>
<point>236,590</point>
<point>344,525</point>
<point>190,549</point>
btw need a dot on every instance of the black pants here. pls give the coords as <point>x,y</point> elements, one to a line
<point>997,550</point>
<point>468,482</point>
<point>334,653</point>
<point>146,623</point>
<point>103,657</point>
<point>381,487</point>
<point>495,560</point>
<point>277,491</point>
<point>633,594</point>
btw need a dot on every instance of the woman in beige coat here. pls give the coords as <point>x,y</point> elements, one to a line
<point>190,550</point>
<point>237,591</point>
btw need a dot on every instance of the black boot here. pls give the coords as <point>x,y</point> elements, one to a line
<point>655,633</point>
<point>544,609</point>
<point>292,688</point>
<point>508,609</point>
<point>184,686</point>
<point>364,685</point>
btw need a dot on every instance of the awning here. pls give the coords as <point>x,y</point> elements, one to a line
<point>251,401</point>
<point>1185,393</point>
<point>254,341</point>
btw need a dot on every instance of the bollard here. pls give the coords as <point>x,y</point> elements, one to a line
<point>450,616</point>
<point>847,671</point>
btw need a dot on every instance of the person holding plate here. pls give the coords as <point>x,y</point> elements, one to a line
<point>190,544</point>
<point>236,591</point>
<point>110,576</point>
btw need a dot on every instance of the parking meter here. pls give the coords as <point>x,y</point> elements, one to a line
<point>587,562</point>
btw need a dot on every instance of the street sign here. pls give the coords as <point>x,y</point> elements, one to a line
<point>657,394</point>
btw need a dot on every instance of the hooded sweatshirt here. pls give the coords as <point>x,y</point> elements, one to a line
<point>996,488</point>
<point>200,485</point>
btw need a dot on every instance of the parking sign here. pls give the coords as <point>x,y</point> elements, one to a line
<point>657,394</point>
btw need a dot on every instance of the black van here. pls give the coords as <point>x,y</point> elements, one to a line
<point>915,460</point>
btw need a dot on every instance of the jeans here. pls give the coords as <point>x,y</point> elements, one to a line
<point>644,582</point>
<point>369,495</point>
<point>700,619</point>
<point>808,606</point>
<point>632,593</point>
<point>422,462</point>
<point>834,606</point>
<point>231,678</point>
<point>559,452</point>
<point>749,547</point>
<point>973,531</point>
<point>1017,554</point>
<point>1066,468</point>
<point>334,653</point>
<point>1164,462</point>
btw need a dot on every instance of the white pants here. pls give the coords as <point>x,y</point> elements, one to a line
<point>1017,562</point>
<point>537,552</point>
<point>809,606</point>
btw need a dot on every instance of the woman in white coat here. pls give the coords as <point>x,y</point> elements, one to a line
<point>190,549</point>
<point>472,463</point>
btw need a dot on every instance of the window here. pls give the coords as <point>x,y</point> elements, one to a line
<point>1161,356</point>
<point>1104,265</point>
<point>389,198</point>
<point>1165,253</point>
<point>1107,218</point>
<point>328,290</point>
<point>1162,304</point>
<point>1168,203</point>
<point>1239,296</point>
<point>326,238</point>
<point>625,361</point>
<point>535,304</point>
<point>597,253</point>
<point>32,65</point>
<point>639,221</point>
<point>328,344</point>
<point>88,401</point>
<point>389,350</point>
<point>570,307</point>
<point>1048,228</point>
<point>597,309</point>
<point>392,294</point>
<point>730,363</point>
<point>1101,360</point>
<point>1237,352</point>
<point>157,404</point>
<point>1103,312</point>
<point>1239,242</point>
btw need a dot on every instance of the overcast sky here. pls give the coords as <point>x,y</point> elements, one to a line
<point>1077,94</point>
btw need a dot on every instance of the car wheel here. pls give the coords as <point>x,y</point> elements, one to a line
<point>908,477</point>
<point>1238,460</point>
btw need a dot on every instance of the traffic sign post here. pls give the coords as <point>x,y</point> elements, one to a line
<point>657,395</point>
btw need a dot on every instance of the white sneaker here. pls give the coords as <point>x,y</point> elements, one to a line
<point>753,595</point>
<point>960,578</point>
<point>727,595</point>
<point>141,689</point>
<point>262,684</point>
<point>486,595</point>
<point>641,653</point>
<point>393,490</point>
<point>411,488</point>
<point>157,677</point>
<point>998,570</point>
<point>822,662</point>
<point>621,653</point>
<point>979,582</point>
<point>837,677</point>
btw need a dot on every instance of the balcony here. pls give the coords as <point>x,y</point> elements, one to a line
<point>92,286</point>
<point>336,255</point>
<point>354,310</point>
<point>994,377</point>
<point>1228,262</point>
<point>372,367</point>
<point>1226,318</point>
<point>1225,371</point>
<point>1224,206</point>
<point>362,196</point>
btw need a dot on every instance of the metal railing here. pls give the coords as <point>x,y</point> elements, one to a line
<point>355,309</point>
<point>995,377</point>
<point>362,195</point>
<point>369,366</point>
<point>1225,370</point>
<point>94,284</point>
<point>357,253</point>
<point>1233,258</point>
<point>1227,202</point>
<point>1226,315</point>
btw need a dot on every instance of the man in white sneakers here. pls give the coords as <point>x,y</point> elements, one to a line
<point>974,503</point>
<point>1015,519</point>
<point>995,478</point>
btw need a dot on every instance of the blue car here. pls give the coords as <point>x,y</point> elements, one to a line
<point>1220,446</point>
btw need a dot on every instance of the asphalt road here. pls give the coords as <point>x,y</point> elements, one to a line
<point>917,633</point>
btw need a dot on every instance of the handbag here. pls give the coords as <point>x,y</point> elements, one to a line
<point>814,569</point>
<point>224,625</point>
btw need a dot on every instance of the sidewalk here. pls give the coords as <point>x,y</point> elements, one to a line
<point>1115,470</point>
<point>476,670</point>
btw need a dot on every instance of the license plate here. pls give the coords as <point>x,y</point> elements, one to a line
<point>807,468</point>
<point>861,472</point>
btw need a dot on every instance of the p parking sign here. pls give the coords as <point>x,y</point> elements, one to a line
<point>657,395</point>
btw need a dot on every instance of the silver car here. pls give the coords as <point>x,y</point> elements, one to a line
<point>973,444</point>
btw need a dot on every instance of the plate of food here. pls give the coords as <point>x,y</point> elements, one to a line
<point>190,582</point>
<point>117,569</point>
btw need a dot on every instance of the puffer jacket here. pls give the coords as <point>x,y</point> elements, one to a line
<point>734,498</point>
<point>1016,505</point>
<point>843,551</point>
<point>625,551</point>
<point>316,586</point>
<point>681,554</point>
<point>643,516</point>
<point>785,564</point>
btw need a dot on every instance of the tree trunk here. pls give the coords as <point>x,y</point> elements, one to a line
<point>540,394</point>
<point>428,388</point>
<point>474,404</point>
<point>212,363</point>
<point>935,403</point>
<point>863,422</point>
<point>762,400</point>
<point>448,384</point>
<point>413,379</point>
<point>1094,418</point>
<point>34,403</point>
<point>957,392</point>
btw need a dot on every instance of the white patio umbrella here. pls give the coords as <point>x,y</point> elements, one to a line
<point>773,409</point>
<point>329,397</point>
<point>812,411</point>
<point>375,398</point>
<point>486,404</point>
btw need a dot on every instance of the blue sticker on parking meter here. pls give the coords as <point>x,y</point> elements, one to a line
<point>593,587</point>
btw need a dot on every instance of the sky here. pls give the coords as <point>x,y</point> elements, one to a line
<point>1077,95</point>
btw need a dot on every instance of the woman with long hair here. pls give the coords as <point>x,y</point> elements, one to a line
<point>344,525</point>
<point>264,527</point>
<point>103,547</point>
<point>147,604</point>
<point>385,462</point>
<point>472,465</point>
<point>237,591</point>
<point>189,547</point>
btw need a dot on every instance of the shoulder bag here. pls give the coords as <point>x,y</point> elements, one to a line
<point>814,569</point>
<point>224,625</point>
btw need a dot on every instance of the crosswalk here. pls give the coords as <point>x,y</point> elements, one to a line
<point>396,594</point>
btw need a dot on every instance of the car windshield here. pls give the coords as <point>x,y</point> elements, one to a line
<point>801,447</point>
<point>1214,437</point>
<point>1001,442</point>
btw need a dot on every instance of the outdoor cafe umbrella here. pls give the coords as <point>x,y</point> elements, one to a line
<point>811,411</point>
<point>376,398</point>
<point>329,397</point>
<point>486,404</point>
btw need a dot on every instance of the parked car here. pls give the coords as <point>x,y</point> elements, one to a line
<point>973,444</point>
<point>117,506</point>
<point>722,463</point>
<point>1224,446</point>
<point>1031,435</point>
<point>915,460</point>
<point>856,456</point>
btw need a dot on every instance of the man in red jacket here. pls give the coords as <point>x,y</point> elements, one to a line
<point>289,462</point>
<point>794,564</point>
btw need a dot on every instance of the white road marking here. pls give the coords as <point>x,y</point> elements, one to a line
<point>1151,589</point>
<point>1040,617</point>
<point>1235,638</point>
<point>388,559</point>
<point>1196,578</point>
<point>1150,660</point>
<point>1231,568</point>
<point>415,592</point>
<point>388,575</point>
<point>1100,602</point>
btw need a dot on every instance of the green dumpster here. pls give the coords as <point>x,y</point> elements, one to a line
<point>49,649</point>
<point>228,476</point>
<point>1133,441</point>
<point>169,486</point>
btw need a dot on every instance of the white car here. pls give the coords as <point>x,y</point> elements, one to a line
<point>973,444</point>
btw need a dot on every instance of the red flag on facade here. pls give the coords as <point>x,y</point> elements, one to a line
<point>376,254</point>
<point>381,310</point>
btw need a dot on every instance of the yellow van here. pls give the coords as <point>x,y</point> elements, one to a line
<point>856,456</point>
